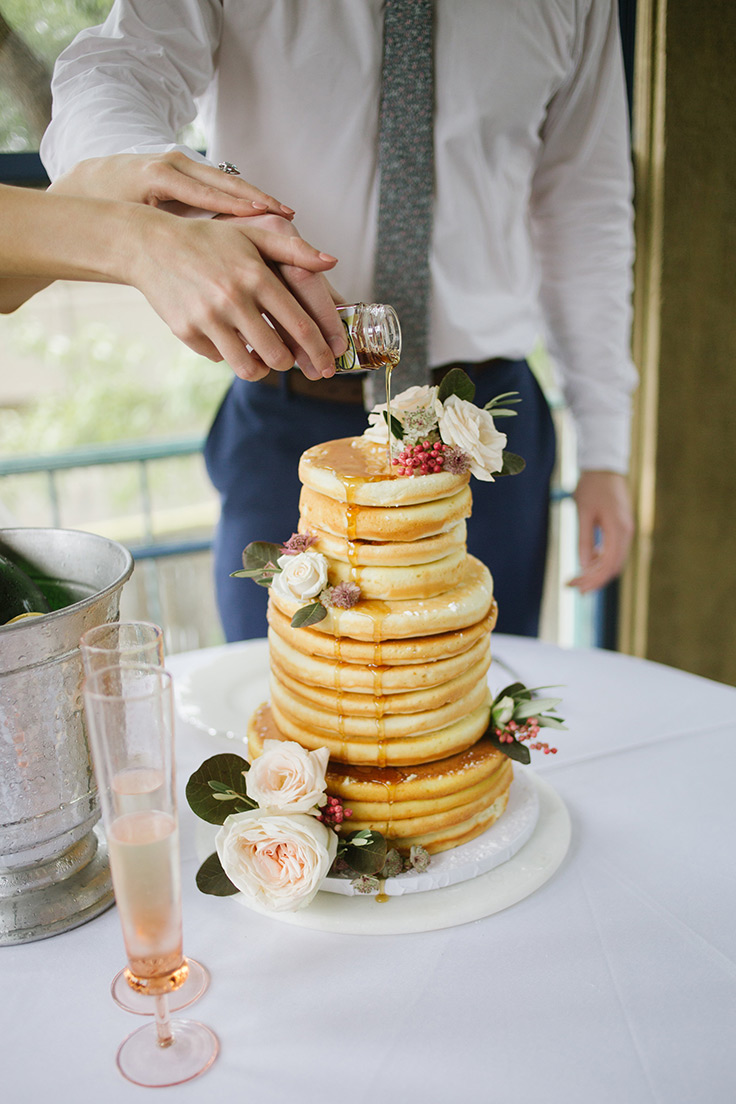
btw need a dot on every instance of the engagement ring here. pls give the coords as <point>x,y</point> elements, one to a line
<point>229,168</point>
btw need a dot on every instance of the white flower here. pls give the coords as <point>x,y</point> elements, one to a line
<point>277,862</point>
<point>414,398</point>
<point>467,427</point>
<point>301,577</point>
<point>287,778</point>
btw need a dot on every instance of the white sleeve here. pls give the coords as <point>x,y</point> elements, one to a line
<point>582,221</point>
<point>129,85</point>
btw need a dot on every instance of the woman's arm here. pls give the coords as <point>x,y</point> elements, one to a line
<point>211,281</point>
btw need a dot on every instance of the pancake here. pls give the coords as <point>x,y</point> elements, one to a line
<point>423,580</point>
<point>353,469</point>
<point>437,805</point>
<point>407,650</point>
<point>465,604</point>
<point>407,522</point>
<point>371,678</point>
<point>355,704</point>
<point>401,750</point>
<point>376,725</point>
<point>391,553</point>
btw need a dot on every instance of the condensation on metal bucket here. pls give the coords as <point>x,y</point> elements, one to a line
<point>54,872</point>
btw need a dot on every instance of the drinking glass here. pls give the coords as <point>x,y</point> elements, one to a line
<point>137,642</point>
<point>130,713</point>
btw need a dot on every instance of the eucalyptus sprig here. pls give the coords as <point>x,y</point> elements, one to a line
<point>260,563</point>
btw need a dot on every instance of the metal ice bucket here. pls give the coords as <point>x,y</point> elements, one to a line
<point>54,872</point>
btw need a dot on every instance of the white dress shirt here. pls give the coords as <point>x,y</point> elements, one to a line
<point>533,223</point>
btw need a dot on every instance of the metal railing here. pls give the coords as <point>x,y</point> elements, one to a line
<point>141,453</point>
<point>150,548</point>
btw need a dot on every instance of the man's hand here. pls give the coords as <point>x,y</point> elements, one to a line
<point>171,180</point>
<point>605,527</point>
<point>307,285</point>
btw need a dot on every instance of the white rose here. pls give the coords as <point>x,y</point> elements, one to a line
<point>277,862</point>
<point>466,426</point>
<point>414,398</point>
<point>301,577</point>
<point>287,778</point>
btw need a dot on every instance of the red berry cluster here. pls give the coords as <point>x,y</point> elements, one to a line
<point>333,813</point>
<point>422,458</point>
<point>528,731</point>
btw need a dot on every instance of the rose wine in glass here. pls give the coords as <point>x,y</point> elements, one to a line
<point>130,721</point>
<point>137,642</point>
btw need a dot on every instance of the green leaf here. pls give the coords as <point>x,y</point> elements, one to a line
<point>457,382</point>
<point>212,879</point>
<point>225,769</point>
<point>513,690</point>
<point>552,722</point>
<point>365,852</point>
<point>534,707</point>
<point>498,411</point>
<point>515,750</point>
<point>308,615</point>
<point>512,464</point>
<point>397,429</point>
<point>260,555</point>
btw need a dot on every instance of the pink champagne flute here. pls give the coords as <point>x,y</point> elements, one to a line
<point>130,719</point>
<point>137,642</point>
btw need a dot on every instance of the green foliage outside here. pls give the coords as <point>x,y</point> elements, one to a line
<point>47,27</point>
<point>104,398</point>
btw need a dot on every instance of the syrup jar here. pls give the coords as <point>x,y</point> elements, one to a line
<point>374,337</point>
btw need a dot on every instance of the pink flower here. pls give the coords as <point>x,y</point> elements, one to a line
<point>344,595</point>
<point>287,778</point>
<point>297,542</point>
<point>277,862</point>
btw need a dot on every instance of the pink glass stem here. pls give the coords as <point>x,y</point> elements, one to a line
<point>163,1023</point>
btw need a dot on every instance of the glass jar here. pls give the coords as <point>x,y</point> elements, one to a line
<point>374,337</point>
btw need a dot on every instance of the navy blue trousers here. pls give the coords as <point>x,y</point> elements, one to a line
<point>252,454</point>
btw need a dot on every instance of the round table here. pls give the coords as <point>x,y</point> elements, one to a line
<point>613,983</point>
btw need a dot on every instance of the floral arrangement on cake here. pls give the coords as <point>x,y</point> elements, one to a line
<point>278,837</point>
<point>441,429</point>
<point>516,718</point>
<point>294,571</point>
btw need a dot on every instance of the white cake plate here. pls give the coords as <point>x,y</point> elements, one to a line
<point>496,845</point>
<point>505,885</point>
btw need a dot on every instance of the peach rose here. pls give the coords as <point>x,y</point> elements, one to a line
<point>277,862</point>
<point>301,577</point>
<point>467,427</point>
<point>287,778</point>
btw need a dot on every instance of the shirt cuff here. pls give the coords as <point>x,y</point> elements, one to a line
<point>604,442</point>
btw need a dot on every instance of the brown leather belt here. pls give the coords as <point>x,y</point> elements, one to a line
<point>345,387</point>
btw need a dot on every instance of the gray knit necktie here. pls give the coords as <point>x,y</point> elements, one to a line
<point>406,185</point>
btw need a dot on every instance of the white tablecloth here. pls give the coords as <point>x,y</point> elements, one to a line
<point>612,984</point>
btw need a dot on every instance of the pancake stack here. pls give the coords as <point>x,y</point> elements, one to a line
<point>396,686</point>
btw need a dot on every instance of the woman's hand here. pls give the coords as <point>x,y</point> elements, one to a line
<point>172,181</point>
<point>212,281</point>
